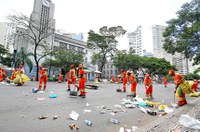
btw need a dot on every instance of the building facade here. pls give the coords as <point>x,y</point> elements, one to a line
<point>7,31</point>
<point>136,41</point>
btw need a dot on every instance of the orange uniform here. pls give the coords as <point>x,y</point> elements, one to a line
<point>117,80</point>
<point>82,80</point>
<point>60,78</point>
<point>124,80</point>
<point>179,79</point>
<point>165,81</point>
<point>112,79</point>
<point>1,75</point>
<point>148,86</point>
<point>13,76</point>
<point>43,78</point>
<point>72,75</point>
<point>195,85</point>
<point>133,82</point>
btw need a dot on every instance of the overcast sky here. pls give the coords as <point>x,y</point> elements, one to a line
<point>75,16</point>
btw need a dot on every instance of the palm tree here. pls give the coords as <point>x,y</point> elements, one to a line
<point>22,57</point>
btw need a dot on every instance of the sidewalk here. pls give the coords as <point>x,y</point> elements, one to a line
<point>169,123</point>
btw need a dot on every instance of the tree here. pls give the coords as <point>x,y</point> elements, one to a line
<point>5,56</point>
<point>63,59</point>
<point>37,33</point>
<point>182,34</point>
<point>22,57</point>
<point>131,61</point>
<point>127,61</point>
<point>104,43</point>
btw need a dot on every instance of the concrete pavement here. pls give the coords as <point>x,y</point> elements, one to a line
<point>20,109</point>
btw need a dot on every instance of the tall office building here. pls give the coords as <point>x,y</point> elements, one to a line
<point>43,15</point>
<point>136,41</point>
<point>6,35</point>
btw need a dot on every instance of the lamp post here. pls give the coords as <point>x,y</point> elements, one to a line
<point>51,53</point>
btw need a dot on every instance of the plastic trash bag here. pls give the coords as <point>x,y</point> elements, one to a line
<point>189,122</point>
<point>52,95</point>
<point>73,115</point>
<point>35,90</point>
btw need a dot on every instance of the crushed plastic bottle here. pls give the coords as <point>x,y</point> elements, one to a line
<point>88,123</point>
<point>114,121</point>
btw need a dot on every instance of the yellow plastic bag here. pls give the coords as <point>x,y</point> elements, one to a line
<point>25,78</point>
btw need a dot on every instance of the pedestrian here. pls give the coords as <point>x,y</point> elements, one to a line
<point>133,83</point>
<point>43,78</point>
<point>182,87</point>
<point>165,81</point>
<point>148,86</point>
<point>124,79</point>
<point>82,80</point>
<point>60,78</point>
<point>72,77</point>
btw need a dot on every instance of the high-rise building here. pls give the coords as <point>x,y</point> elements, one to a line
<point>136,41</point>
<point>6,35</point>
<point>157,37</point>
<point>43,15</point>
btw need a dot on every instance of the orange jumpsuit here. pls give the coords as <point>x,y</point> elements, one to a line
<point>178,79</point>
<point>1,75</point>
<point>165,81</point>
<point>60,78</point>
<point>133,82</point>
<point>72,76</point>
<point>82,80</point>
<point>43,78</point>
<point>195,86</point>
<point>112,79</point>
<point>117,80</point>
<point>13,76</point>
<point>148,86</point>
<point>124,80</point>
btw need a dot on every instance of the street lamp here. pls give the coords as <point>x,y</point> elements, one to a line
<point>51,52</point>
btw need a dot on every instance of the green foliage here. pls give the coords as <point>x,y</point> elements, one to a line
<point>22,57</point>
<point>104,43</point>
<point>197,70</point>
<point>127,61</point>
<point>63,59</point>
<point>191,76</point>
<point>130,61</point>
<point>5,56</point>
<point>182,34</point>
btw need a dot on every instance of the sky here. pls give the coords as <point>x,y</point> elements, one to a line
<point>75,16</point>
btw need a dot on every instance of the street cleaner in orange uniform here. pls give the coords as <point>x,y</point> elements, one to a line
<point>133,83</point>
<point>60,78</point>
<point>1,75</point>
<point>43,77</point>
<point>124,79</point>
<point>148,86</point>
<point>165,81</point>
<point>82,80</point>
<point>72,77</point>
<point>182,87</point>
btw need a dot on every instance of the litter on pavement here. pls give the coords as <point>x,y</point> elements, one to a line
<point>189,122</point>
<point>73,127</point>
<point>73,115</point>
<point>42,117</point>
